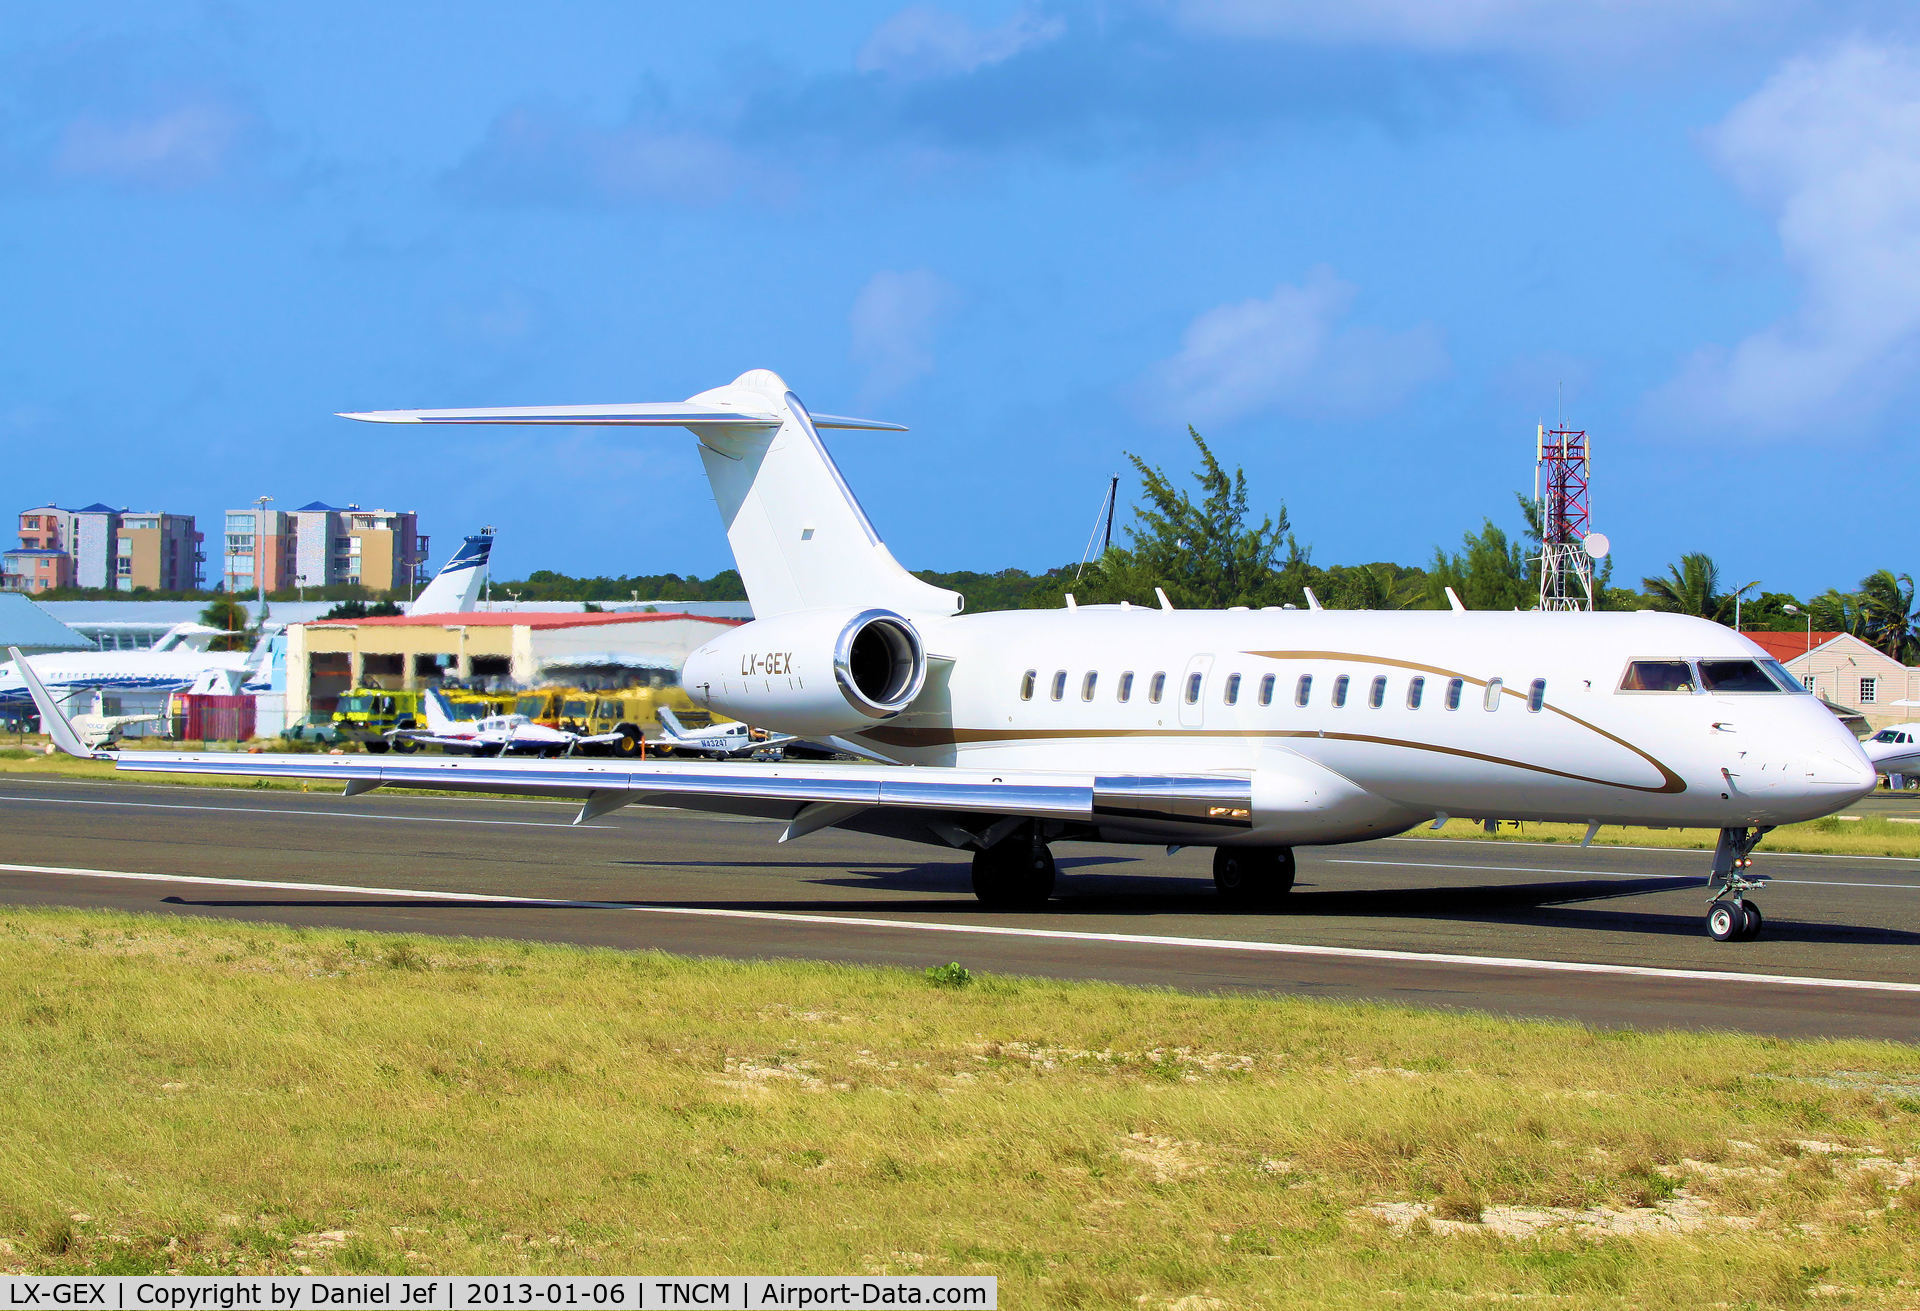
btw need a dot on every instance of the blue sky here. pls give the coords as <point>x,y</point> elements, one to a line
<point>1363,247</point>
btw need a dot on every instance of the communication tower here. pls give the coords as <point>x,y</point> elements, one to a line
<point>1568,546</point>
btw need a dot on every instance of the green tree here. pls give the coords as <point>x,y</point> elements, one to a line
<point>230,616</point>
<point>1490,573</point>
<point>358,609</point>
<point>1206,553</point>
<point>1692,587</point>
<point>1889,621</point>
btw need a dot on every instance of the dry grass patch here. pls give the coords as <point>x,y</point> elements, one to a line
<point>214,1097</point>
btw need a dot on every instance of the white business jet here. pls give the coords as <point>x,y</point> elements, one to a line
<point>1252,732</point>
<point>178,662</point>
<point>493,735</point>
<point>717,741</point>
<point>1895,751</point>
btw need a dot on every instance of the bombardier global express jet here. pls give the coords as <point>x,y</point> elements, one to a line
<point>1248,731</point>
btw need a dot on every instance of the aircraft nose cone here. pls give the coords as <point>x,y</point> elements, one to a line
<point>1855,774</point>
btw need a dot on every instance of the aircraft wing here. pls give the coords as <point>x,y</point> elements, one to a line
<point>434,739</point>
<point>959,806</point>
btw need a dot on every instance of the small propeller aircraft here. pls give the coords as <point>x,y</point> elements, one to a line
<point>495,735</point>
<point>718,742</point>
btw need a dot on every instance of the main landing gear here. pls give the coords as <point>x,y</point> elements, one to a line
<point>1015,873</point>
<point>1249,876</point>
<point>1731,917</point>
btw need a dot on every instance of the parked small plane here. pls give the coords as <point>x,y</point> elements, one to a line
<point>1251,732</point>
<point>1895,751</point>
<point>493,735</point>
<point>719,742</point>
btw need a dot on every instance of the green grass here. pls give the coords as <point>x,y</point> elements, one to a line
<point>1866,836</point>
<point>215,1097</point>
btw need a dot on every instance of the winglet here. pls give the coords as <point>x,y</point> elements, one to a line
<point>51,719</point>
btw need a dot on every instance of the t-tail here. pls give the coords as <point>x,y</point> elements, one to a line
<point>455,588</point>
<point>800,539</point>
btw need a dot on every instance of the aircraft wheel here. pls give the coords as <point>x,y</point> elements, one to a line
<point>1725,920</point>
<point>1249,875</point>
<point>1014,875</point>
<point>1752,922</point>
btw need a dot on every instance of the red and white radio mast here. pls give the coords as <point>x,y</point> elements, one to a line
<point>1568,545</point>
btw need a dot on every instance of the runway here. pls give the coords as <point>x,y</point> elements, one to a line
<point>1609,936</point>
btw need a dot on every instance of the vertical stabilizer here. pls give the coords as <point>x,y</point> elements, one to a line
<point>439,713</point>
<point>454,589</point>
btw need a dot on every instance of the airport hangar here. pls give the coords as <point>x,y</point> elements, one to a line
<point>488,649</point>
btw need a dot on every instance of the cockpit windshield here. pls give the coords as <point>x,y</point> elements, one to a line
<point>1893,735</point>
<point>1658,676</point>
<point>1734,676</point>
<point>1719,676</point>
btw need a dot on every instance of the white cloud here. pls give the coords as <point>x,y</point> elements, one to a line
<point>923,40</point>
<point>1832,145</point>
<point>1459,26</point>
<point>537,157</point>
<point>893,323</point>
<point>186,145</point>
<point>1290,352</point>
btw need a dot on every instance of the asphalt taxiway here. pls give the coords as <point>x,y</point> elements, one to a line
<point>1610,936</point>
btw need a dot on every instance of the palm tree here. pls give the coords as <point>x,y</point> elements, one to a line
<point>1692,587</point>
<point>1887,605</point>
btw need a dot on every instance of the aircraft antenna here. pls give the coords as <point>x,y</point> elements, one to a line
<point>1568,545</point>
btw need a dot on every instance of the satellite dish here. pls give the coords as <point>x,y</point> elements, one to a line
<point>1597,545</point>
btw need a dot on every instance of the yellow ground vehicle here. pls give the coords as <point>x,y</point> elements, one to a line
<point>478,705</point>
<point>365,714</point>
<point>542,704</point>
<point>632,712</point>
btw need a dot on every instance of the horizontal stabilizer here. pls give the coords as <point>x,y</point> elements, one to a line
<point>667,414</point>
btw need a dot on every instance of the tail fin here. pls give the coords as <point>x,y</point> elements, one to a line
<point>671,722</point>
<point>454,588</point>
<point>800,539</point>
<point>439,713</point>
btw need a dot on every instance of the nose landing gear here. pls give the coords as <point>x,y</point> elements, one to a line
<point>1731,917</point>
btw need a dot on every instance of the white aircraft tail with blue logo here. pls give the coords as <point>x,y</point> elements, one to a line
<point>457,586</point>
<point>800,539</point>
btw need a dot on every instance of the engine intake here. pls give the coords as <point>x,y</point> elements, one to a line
<point>813,673</point>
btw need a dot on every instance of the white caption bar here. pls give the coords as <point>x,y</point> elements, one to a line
<point>477,1292</point>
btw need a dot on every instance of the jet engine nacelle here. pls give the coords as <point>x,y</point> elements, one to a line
<point>816,673</point>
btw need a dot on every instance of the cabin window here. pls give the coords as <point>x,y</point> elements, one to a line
<point>1157,688</point>
<point>1454,687</point>
<point>1377,696</point>
<point>1027,681</point>
<point>1735,676</point>
<point>1266,690</point>
<point>1232,694</point>
<point>1536,695</point>
<point>1086,685</point>
<point>1125,690</point>
<point>1193,689</point>
<point>1492,699</point>
<point>1340,691</point>
<point>1657,676</point>
<point>1303,689</point>
<point>1059,684</point>
<point>1416,688</point>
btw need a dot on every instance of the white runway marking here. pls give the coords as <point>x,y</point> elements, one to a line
<point>283,811</point>
<point>1005,931</point>
<point>1605,873</point>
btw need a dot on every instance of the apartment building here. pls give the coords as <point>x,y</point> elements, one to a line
<point>381,550</point>
<point>99,546</point>
<point>260,551</point>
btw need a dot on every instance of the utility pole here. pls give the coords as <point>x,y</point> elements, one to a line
<point>260,562</point>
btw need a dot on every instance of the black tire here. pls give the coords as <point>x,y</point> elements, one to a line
<point>1753,922</point>
<point>378,746</point>
<point>1725,920</point>
<point>1250,876</point>
<point>405,746</point>
<point>628,744</point>
<point>1016,875</point>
